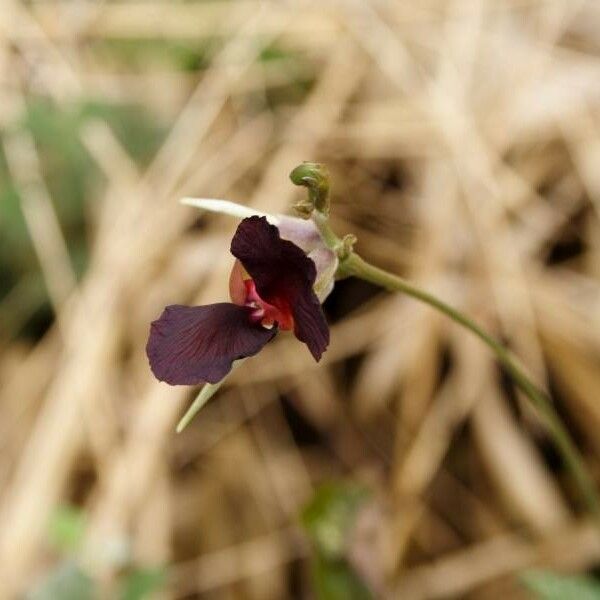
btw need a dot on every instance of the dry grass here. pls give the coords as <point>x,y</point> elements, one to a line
<point>463,139</point>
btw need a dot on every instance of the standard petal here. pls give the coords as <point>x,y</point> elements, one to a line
<point>189,345</point>
<point>283,275</point>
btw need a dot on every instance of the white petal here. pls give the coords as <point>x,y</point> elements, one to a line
<point>226,207</point>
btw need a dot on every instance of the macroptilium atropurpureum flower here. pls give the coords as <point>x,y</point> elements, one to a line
<point>274,284</point>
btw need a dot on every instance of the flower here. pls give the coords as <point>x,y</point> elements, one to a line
<point>272,287</point>
<point>302,232</point>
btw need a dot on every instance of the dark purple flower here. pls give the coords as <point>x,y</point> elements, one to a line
<point>271,286</point>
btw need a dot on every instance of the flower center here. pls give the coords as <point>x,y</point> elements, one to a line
<point>265,313</point>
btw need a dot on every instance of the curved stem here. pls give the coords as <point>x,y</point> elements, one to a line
<point>314,177</point>
<point>356,266</point>
<point>321,222</point>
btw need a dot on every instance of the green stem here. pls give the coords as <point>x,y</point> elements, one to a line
<point>354,265</point>
<point>206,393</point>
<point>321,222</point>
<point>314,177</point>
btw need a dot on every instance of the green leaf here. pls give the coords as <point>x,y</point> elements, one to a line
<point>66,528</point>
<point>141,583</point>
<point>547,585</point>
<point>330,515</point>
<point>66,582</point>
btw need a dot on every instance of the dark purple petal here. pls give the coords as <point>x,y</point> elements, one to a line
<point>304,233</point>
<point>284,274</point>
<point>189,345</point>
<point>310,325</point>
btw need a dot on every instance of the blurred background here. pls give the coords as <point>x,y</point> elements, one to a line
<point>463,141</point>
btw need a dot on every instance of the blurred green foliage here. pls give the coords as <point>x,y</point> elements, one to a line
<point>141,583</point>
<point>335,580</point>
<point>67,528</point>
<point>547,585</point>
<point>328,519</point>
<point>137,53</point>
<point>179,55</point>
<point>330,515</point>
<point>72,179</point>
<point>68,580</point>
